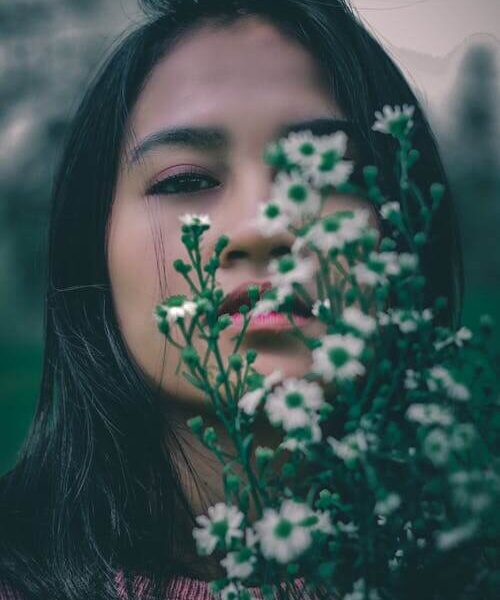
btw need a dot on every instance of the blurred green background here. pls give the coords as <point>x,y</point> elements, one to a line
<point>48,49</point>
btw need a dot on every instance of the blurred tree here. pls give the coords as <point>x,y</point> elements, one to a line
<point>474,166</point>
<point>48,48</point>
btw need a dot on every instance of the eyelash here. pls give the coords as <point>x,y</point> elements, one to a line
<point>189,176</point>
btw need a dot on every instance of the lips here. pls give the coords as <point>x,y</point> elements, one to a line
<point>239,296</point>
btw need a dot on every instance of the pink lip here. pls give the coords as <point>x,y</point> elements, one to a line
<point>271,321</point>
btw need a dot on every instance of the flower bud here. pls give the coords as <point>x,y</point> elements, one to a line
<point>325,411</point>
<point>370,173</point>
<point>222,242</point>
<point>190,356</point>
<point>251,355</point>
<point>209,436</point>
<point>387,245</point>
<point>263,455</point>
<point>195,424</point>
<point>224,322</point>
<point>235,362</point>
<point>437,192</point>
<point>420,239</point>
<point>487,324</point>
<point>253,294</point>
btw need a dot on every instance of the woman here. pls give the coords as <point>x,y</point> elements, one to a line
<point>110,479</point>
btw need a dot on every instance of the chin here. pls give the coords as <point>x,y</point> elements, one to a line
<point>290,365</point>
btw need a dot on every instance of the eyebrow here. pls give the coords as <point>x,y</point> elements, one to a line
<point>215,138</point>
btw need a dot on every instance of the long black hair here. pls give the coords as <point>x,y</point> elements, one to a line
<point>93,490</point>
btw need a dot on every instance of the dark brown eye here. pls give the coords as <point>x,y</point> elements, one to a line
<point>183,183</point>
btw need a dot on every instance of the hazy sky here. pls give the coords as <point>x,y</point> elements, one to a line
<point>440,29</point>
<point>430,26</point>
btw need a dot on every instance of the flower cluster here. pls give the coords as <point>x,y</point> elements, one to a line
<point>387,468</point>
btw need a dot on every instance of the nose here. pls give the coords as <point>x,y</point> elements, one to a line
<point>248,247</point>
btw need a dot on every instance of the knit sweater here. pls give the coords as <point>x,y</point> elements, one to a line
<point>179,588</point>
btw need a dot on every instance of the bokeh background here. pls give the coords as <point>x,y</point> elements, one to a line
<point>449,50</point>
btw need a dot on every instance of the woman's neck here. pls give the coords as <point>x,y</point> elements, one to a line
<point>200,474</point>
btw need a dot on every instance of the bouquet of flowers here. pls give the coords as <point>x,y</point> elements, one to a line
<point>386,482</point>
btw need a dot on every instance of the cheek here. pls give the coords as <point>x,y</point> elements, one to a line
<point>141,275</point>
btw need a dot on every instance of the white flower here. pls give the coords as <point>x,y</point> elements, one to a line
<point>396,561</point>
<point>248,402</point>
<point>229,592</point>
<point>354,225</point>
<point>350,529</point>
<point>445,540</point>
<point>462,435</point>
<point>336,175</point>
<point>335,142</point>
<point>271,219</point>
<point>317,304</point>
<point>389,209</point>
<point>429,414</point>
<point>271,304</point>
<point>359,592</point>
<point>301,148</point>
<point>295,196</point>
<point>394,121</point>
<point>175,308</point>
<point>301,437</point>
<point>324,523</point>
<point>239,564</point>
<point>390,261</point>
<point>436,447</point>
<point>350,447</point>
<point>194,220</point>
<point>406,320</point>
<point>358,320</point>
<point>366,276</point>
<point>439,377</point>
<point>337,357</point>
<point>282,538</point>
<point>379,266</point>
<point>221,525</point>
<point>460,336</point>
<point>407,261</point>
<point>334,231</point>
<point>291,404</point>
<point>289,268</point>
<point>411,379</point>
<point>388,505</point>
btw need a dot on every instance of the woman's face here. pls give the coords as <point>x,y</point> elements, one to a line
<point>249,82</point>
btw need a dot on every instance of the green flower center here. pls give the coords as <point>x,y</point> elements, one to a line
<point>175,301</point>
<point>297,193</point>
<point>328,160</point>
<point>399,126</point>
<point>283,529</point>
<point>272,211</point>
<point>331,224</point>
<point>286,264</point>
<point>294,399</point>
<point>220,528</point>
<point>307,149</point>
<point>338,356</point>
<point>243,555</point>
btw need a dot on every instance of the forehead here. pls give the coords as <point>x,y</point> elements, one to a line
<point>222,73</point>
